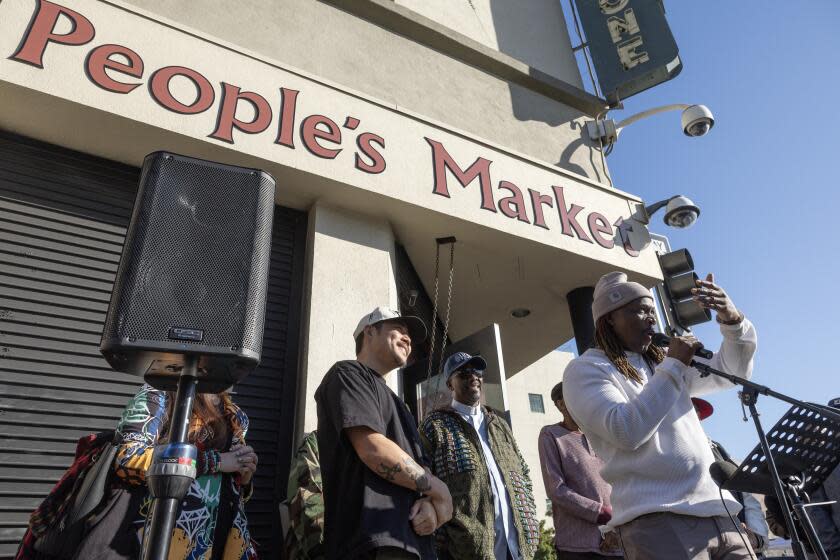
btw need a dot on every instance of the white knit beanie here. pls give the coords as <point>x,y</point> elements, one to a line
<point>613,291</point>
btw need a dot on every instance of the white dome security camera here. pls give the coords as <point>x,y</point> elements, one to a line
<point>681,212</point>
<point>697,120</point>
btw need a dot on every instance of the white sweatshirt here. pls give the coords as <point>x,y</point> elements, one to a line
<point>656,455</point>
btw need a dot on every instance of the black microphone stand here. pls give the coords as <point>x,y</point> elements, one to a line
<point>749,396</point>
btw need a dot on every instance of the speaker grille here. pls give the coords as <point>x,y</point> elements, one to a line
<point>196,255</point>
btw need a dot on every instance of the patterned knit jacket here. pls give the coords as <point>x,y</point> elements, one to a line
<point>455,451</point>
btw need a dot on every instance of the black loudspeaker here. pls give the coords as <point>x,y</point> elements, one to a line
<point>194,273</point>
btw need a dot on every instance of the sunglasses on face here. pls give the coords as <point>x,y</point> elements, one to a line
<point>468,372</point>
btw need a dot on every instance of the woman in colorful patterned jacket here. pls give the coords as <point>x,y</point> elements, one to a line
<point>213,513</point>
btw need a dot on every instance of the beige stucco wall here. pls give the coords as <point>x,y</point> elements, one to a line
<point>533,31</point>
<point>338,46</point>
<point>538,378</point>
<point>349,271</point>
<point>501,256</point>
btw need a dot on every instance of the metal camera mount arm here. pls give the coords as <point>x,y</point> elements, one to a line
<point>608,130</point>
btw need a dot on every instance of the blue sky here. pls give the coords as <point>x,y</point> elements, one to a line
<point>764,179</point>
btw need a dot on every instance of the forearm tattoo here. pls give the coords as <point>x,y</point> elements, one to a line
<point>414,471</point>
<point>418,475</point>
<point>423,483</point>
<point>388,473</point>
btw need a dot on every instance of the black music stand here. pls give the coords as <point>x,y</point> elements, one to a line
<point>819,425</point>
<point>805,447</point>
<point>804,444</point>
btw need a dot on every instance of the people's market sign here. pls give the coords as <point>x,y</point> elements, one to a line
<point>242,112</point>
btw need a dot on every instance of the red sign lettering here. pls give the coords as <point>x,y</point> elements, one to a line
<point>513,206</point>
<point>227,120</point>
<point>108,66</point>
<point>310,133</point>
<point>40,33</point>
<point>365,143</point>
<point>159,87</point>
<point>441,161</point>
<point>568,216</point>
<point>288,105</point>
<point>100,58</point>
<point>598,225</point>
<point>537,201</point>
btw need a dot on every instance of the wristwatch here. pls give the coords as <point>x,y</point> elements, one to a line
<point>733,321</point>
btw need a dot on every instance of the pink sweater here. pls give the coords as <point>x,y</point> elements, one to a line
<point>573,483</point>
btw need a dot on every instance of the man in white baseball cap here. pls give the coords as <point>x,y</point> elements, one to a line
<point>380,500</point>
<point>415,326</point>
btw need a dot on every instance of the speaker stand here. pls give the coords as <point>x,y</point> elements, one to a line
<point>173,468</point>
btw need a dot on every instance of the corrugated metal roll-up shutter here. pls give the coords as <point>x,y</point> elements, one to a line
<point>269,393</point>
<point>63,217</point>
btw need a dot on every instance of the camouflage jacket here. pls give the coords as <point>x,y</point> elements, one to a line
<point>306,504</point>
<point>455,451</point>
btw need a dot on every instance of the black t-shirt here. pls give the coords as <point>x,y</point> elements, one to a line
<point>362,510</point>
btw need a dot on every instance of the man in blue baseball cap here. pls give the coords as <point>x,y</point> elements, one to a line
<point>473,451</point>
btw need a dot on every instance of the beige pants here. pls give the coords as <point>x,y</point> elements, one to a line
<point>668,536</point>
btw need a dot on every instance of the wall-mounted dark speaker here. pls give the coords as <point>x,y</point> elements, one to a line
<point>194,273</point>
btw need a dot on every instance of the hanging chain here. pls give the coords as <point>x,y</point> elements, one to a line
<point>448,301</point>
<point>438,395</point>
<point>434,317</point>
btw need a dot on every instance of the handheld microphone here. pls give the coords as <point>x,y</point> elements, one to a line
<point>660,339</point>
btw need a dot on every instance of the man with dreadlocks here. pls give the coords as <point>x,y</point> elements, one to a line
<point>633,402</point>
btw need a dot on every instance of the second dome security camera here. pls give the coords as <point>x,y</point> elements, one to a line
<point>697,120</point>
<point>681,212</point>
